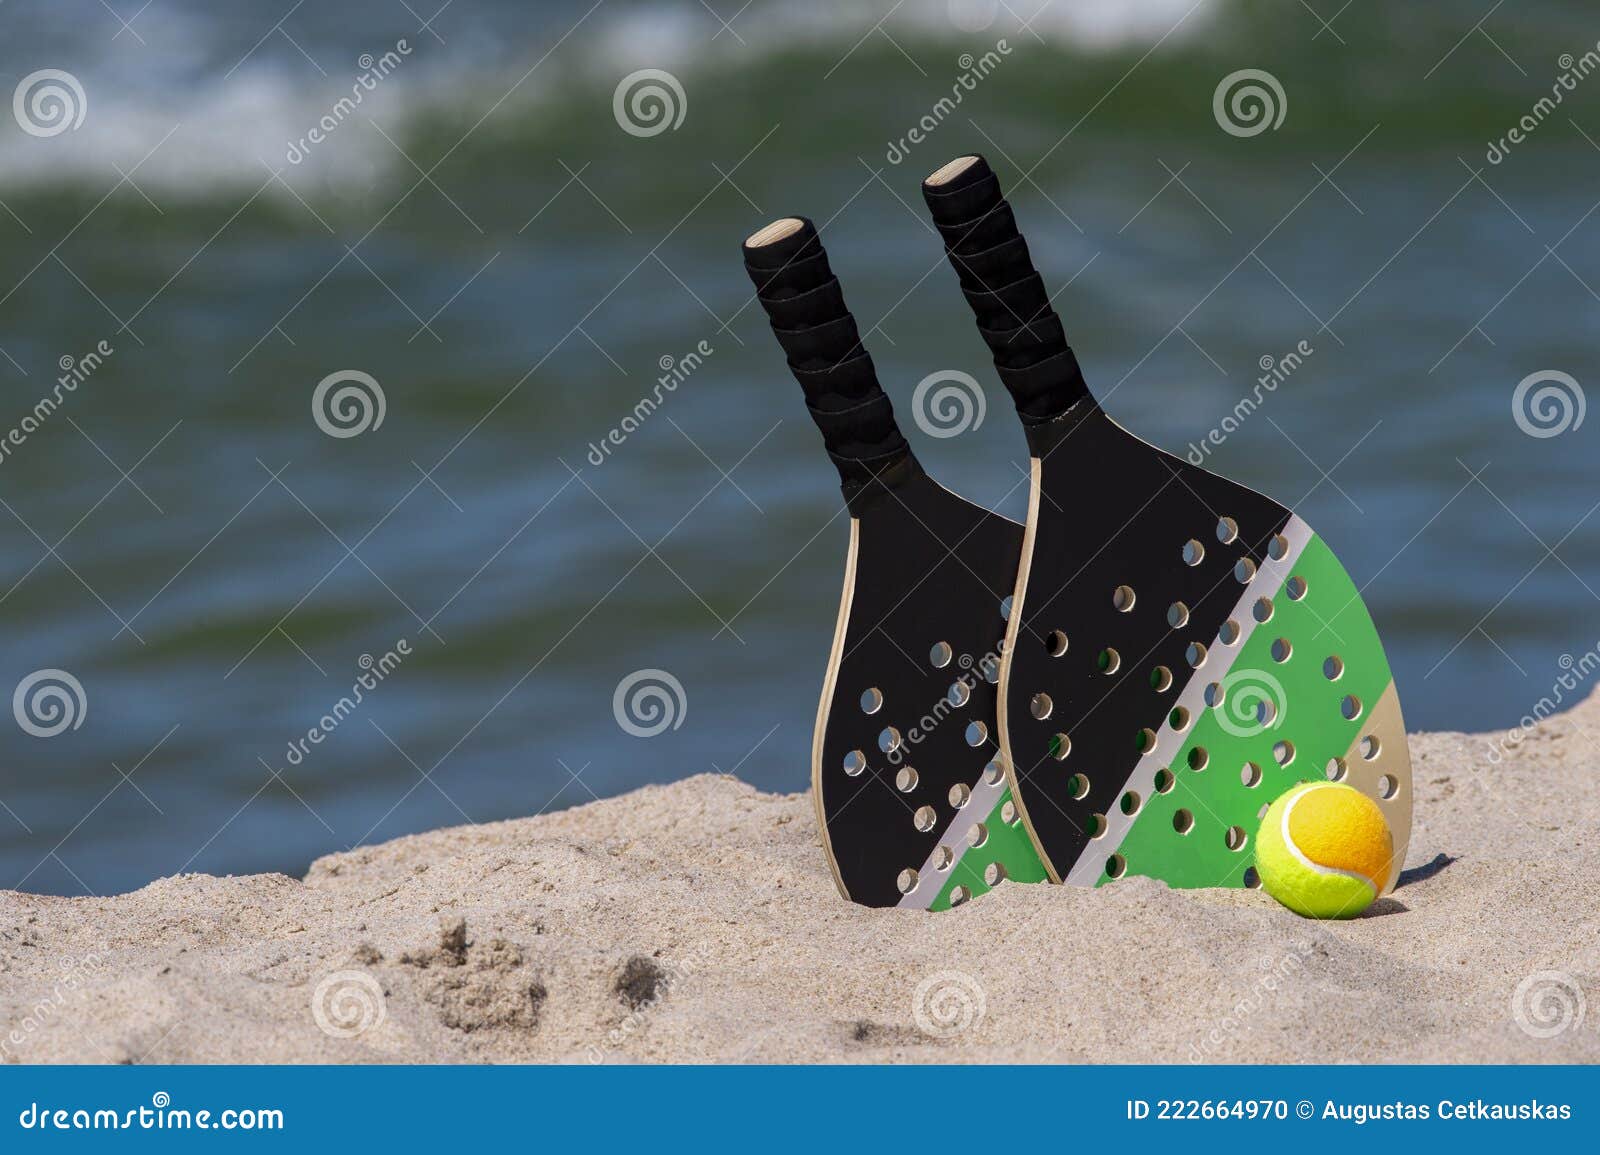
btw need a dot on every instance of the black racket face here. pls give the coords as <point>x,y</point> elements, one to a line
<point>1184,651</point>
<point>912,794</point>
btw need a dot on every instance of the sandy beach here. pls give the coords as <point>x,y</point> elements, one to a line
<point>697,923</point>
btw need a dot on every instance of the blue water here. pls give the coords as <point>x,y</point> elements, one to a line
<point>182,538</point>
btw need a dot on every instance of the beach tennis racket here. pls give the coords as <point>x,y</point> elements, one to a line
<point>911,798</point>
<point>1180,649</point>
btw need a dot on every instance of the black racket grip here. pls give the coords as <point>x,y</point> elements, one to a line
<point>1006,294</point>
<point>803,301</point>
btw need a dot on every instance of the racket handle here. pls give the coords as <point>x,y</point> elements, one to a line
<point>803,301</point>
<point>1005,291</point>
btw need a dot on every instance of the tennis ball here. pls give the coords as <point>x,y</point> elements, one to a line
<point>1324,850</point>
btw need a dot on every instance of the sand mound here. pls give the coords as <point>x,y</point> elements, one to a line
<point>698,922</point>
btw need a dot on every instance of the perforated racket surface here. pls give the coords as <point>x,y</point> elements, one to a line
<point>911,796</point>
<point>1181,649</point>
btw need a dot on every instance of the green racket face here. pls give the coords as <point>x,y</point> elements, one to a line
<point>1181,649</point>
<point>1305,694</point>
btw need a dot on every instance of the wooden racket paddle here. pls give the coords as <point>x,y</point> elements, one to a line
<point>1180,649</point>
<point>911,797</point>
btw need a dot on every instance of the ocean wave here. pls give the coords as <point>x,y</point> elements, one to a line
<point>187,112</point>
<point>207,102</point>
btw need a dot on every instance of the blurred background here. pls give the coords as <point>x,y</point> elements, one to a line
<point>512,237</point>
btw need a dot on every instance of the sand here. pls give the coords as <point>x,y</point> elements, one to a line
<point>698,922</point>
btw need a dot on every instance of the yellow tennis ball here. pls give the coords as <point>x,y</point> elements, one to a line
<point>1324,850</point>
